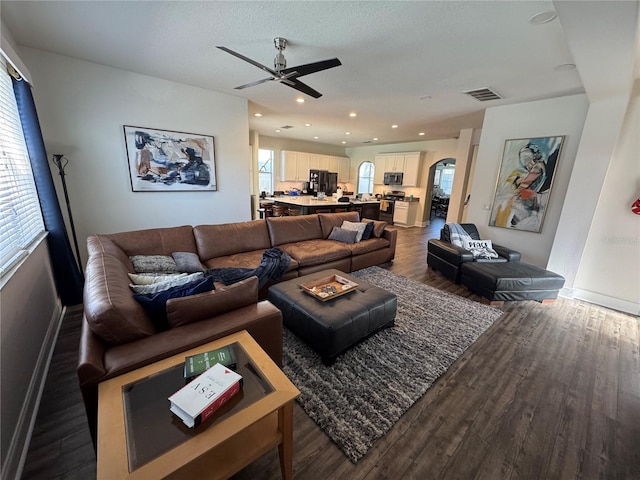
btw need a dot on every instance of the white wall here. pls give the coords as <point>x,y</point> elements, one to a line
<point>558,116</point>
<point>610,264</point>
<point>30,317</point>
<point>82,108</point>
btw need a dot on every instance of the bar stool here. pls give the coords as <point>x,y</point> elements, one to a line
<point>323,210</point>
<point>279,210</point>
<point>339,210</point>
<point>293,211</point>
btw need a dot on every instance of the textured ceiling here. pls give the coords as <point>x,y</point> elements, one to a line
<point>403,63</point>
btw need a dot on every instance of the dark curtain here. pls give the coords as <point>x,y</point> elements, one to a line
<point>67,276</point>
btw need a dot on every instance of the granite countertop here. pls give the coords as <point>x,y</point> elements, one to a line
<point>310,201</point>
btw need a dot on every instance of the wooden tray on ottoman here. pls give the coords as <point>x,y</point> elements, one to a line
<point>336,285</point>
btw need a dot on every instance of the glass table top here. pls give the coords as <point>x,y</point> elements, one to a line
<point>151,428</point>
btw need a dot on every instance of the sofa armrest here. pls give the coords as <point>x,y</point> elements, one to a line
<point>449,252</point>
<point>510,255</point>
<point>392,236</point>
<point>90,356</point>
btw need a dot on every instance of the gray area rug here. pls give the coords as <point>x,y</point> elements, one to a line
<point>365,392</point>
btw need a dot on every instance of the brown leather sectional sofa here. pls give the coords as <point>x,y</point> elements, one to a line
<point>117,334</point>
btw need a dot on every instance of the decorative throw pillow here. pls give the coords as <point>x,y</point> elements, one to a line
<point>181,311</point>
<point>156,303</point>
<point>160,286</point>
<point>378,227</point>
<point>149,278</point>
<point>153,264</point>
<point>368,231</point>
<point>480,248</point>
<point>356,227</point>
<point>341,235</point>
<point>187,262</point>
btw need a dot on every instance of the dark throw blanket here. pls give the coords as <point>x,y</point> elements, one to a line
<point>274,264</point>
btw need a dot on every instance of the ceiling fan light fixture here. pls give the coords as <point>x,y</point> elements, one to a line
<point>543,17</point>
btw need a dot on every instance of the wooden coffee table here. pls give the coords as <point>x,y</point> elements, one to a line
<point>139,438</point>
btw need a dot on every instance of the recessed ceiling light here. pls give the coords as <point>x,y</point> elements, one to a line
<point>300,100</point>
<point>543,17</point>
<point>394,126</point>
<point>343,142</point>
<point>421,134</point>
<point>375,139</point>
<point>353,114</point>
<point>257,114</point>
<point>307,124</point>
<point>565,67</point>
<point>277,130</point>
<point>347,133</point>
<point>315,138</point>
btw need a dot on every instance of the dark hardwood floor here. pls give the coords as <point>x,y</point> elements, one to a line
<point>548,392</point>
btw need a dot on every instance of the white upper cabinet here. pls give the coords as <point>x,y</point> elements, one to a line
<point>407,163</point>
<point>411,169</point>
<point>294,166</point>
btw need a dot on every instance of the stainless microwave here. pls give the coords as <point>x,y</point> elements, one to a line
<point>393,178</point>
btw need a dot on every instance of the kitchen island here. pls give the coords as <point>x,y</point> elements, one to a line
<point>307,204</point>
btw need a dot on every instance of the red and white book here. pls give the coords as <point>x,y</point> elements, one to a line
<point>197,400</point>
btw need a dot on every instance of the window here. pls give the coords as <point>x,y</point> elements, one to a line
<point>265,170</point>
<point>20,215</point>
<point>365,177</point>
<point>446,180</point>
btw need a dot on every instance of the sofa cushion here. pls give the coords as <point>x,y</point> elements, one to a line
<point>156,303</point>
<point>284,230</point>
<point>343,235</point>
<point>358,227</point>
<point>181,311</point>
<point>378,226</point>
<point>111,311</point>
<point>330,220</point>
<point>149,278</point>
<point>316,252</point>
<point>368,230</point>
<point>214,241</point>
<point>371,245</point>
<point>166,284</point>
<point>187,262</point>
<point>153,264</point>
<point>243,260</point>
<point>154,241</point>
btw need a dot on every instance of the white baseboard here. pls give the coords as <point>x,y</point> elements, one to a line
<point>602,300</point>
<point>17,452</point>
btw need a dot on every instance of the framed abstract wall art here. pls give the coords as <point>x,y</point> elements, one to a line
<point>524,184</point>
<point>166,161</point>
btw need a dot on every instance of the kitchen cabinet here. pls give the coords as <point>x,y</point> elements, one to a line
<point>407,163</point>
<point>344,169</point>
<point>404,213</point>
<point>294,166</point>
<point>378,174</point>
<point>411,171</point>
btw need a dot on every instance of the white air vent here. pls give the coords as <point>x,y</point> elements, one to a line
<point>483,94</point>
<point>286,127</point>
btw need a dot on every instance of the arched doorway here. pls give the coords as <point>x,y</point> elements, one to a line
<point>441,175</point>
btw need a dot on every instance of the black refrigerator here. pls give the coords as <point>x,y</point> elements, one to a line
<point>323,181</point>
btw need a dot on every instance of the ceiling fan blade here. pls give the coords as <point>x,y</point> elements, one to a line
<point>247,59</point>
<point>258,82</point>
<point>302,87</point>
<point>313,67</point>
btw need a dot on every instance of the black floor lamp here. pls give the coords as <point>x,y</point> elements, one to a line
<point>61,162</point>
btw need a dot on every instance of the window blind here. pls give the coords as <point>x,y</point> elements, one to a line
<point>20,216</point>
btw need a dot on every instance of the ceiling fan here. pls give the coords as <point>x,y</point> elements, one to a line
<point>288,76</point>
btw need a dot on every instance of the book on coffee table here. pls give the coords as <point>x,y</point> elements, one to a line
<point>200,398</point>
<point>195,365</point>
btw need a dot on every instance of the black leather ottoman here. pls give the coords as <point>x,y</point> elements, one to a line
<point>511,281</point>
<point>332,327</point>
